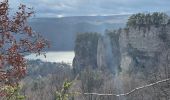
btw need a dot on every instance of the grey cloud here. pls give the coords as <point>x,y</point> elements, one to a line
<point>52,8</point>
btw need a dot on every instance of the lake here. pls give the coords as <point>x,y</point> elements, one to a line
<point>61,56</point>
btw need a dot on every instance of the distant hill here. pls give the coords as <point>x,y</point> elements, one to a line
<point>62,31</point>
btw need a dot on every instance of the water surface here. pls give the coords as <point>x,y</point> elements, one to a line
<point>61,56</point>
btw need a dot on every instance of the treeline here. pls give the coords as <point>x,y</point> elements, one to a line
<point>147,19</point>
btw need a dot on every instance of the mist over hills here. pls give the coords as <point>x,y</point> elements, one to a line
<point>61,32</point>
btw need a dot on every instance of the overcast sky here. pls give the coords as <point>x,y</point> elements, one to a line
<point>59,8</point>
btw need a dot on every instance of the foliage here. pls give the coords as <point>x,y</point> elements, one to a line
<point>44,79</point>
<point>64,94</point>
<point>13,93</point>
<point>142,19</point>
<point>16,39</point>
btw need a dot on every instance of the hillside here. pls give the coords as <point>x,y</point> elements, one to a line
<point>138,54</point>
<point>115,62</point>
<point>58,30</point>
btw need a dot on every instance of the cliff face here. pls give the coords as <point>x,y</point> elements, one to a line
<point>85,51</point>
<point>127,58</point>
<point>144,48</point>
<point>106,57</point>
<point>97,51</point>
<point>130,49</point>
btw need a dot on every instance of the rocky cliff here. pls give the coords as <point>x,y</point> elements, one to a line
<point>132,49</point>
<point>85,51</point>
<point>143,49</point>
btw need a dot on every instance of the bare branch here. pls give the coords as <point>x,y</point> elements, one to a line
<point>127,93</point>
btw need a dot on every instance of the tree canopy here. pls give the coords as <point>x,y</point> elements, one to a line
<point>147,19</point>
<point>16,39</point>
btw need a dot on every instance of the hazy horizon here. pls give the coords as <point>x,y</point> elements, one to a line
<point>65,8</point>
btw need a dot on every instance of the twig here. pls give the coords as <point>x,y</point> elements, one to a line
<point>127,93</point>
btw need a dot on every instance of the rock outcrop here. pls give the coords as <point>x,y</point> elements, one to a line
<point>85,51</point>
<point>130,49</point>
<point>142,48</point>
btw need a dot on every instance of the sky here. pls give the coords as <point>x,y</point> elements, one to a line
<point>61,8</point>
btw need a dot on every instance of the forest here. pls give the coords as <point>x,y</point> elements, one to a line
<point>127,63</point>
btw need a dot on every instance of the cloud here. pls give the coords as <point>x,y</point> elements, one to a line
<point>54,8</point>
